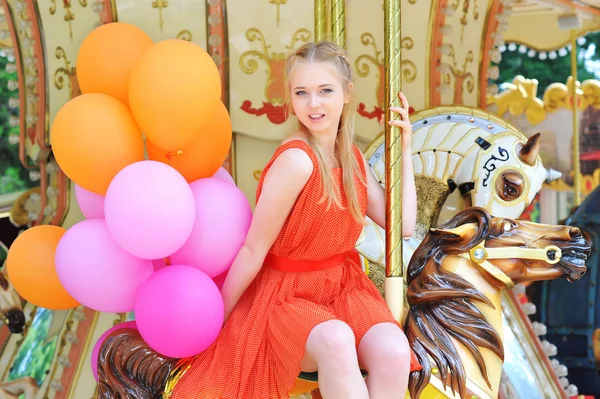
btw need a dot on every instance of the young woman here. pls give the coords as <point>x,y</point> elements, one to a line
<point>296,298</point>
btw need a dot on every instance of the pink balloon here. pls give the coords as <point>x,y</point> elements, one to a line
<point>224,175</point>
<point>91,204</point>
<point>149,209</point>
<point>96,349</point>
<point>179,311</point>
<point>158,264</point>
<point>96,271</point>
<point>223,217</point>
<point>220,279</point>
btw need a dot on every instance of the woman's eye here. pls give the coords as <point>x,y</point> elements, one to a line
<point>300,93</point>
<point>326,91</point>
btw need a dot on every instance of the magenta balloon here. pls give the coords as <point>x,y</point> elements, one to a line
<point>91,204</point>
<point>223,217</point>
<point>222,174</point>
<point>98,345</point>
<point>149,209</point>
<point>179,311</point>
<point>220,279</point>
<point>96,271</point>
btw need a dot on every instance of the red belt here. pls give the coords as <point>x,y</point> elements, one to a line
<point>289,265</point>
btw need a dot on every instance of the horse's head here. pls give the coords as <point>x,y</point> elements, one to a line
<point>11,311</point>
<point>526,251</point>
<point>507,174</point>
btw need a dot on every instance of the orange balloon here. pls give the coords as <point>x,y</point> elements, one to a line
<point>93,137</point>
<point>31,269</point>
<point>107,56</point>
<point>173,93</point>
<point>205,155</point>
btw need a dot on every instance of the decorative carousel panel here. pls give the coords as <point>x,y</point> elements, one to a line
<point>29,63</point>
<point>162,19</point>
<point>65,24</point>
<point>365,44</point>
<point>460,46</point>
<point>84,384</point>
<point>251,157</point>
<point>260,38</point>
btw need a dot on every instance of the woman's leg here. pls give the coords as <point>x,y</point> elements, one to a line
<point>331,350</point>
<point>384,353</point>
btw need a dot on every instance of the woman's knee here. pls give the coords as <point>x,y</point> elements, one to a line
<point>332,338</point>
<point>387,348</point>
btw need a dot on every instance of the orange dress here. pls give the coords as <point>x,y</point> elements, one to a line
<point>312,274</point>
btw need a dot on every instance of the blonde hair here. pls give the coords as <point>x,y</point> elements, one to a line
<point>333,54</point>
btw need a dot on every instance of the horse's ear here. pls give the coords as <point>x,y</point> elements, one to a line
<point>457,233</point>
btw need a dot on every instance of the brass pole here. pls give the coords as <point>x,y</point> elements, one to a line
<point>320,20</point>
<point>576,155</point>
<point>394,270</point>
<point>338,22</point>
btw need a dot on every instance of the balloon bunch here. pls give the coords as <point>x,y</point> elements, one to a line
<point>160,233</point>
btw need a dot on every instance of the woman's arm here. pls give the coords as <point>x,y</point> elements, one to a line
<point>283,184</point>
<point>376,193</point>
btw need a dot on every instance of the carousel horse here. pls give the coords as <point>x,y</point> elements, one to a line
<point>455,279</point>
<point>25,388</point>
<point>491,163</point>
<point>11,309</point>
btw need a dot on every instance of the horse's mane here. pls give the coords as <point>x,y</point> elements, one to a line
<point>128,368</point>
<point>441,307</point>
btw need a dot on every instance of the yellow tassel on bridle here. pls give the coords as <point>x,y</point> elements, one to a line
<point>180,368</point>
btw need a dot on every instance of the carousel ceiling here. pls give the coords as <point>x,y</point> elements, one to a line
<point>535,23</point>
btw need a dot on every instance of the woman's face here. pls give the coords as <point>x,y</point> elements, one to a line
<point>318,96</point>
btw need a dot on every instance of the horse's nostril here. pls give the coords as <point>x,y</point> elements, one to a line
<point>574,232</point>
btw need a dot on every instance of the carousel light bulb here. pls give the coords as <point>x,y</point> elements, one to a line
<point>529,308</point>
<point>512,47</point>
<point>519,289</point>
<point>495,56</point>
<point>448,11</point>
<point>564,383</point>
<point>499,40</point>
<point>572,390</point>
<point>2,18</point>
<point>444,68</point>
<point>446,30</point>
<point>34,175</point>
<point>32,216</point>
<point>549,349</point>
<point>13,121</point>
<point>562,371</point>
<point>552,55</point>
<point>543,55</point>
<point>522,49</point>
<point>14,139</point>
<point>493,72</point>
<point>13,102</point>
<point>13,85</point>
<point>562,52</point>
<point>555,363</point>
<point>31,119</point>
<point>445,49</point>
<point>539,328</point>
<point>10,68</point>
<point>502,48</point>
<point>4,35</point>
<point>531,53</point>
<point>581,40</point>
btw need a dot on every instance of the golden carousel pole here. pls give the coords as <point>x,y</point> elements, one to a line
<point>320,20</point>
<point>394,269</point>
<point>338,22</point>
<point>576,155</point>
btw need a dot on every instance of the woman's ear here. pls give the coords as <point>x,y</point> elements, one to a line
<point>348,93</point>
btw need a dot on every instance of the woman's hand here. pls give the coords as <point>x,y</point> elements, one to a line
<point>404,122</point>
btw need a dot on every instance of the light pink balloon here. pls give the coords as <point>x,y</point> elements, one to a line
<point>179,311</point>
<point>96,271</point>
<point>149,209</point>
<point>91,204</point>
<point>224,175</point>
<point>96,349</point>
<point>223,217</point>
